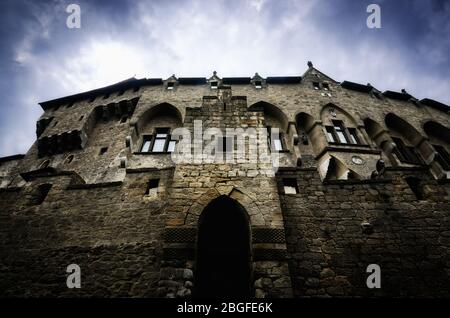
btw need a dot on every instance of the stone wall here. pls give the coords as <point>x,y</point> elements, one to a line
<point>130,243</point>
<point>408,239</point>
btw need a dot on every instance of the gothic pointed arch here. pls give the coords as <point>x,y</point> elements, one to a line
<point>273,115</point>
<point>156,121</point>
<point>246,200</point>
<point>223,258</point>
<point>335,169</point>
<point>410,146</point>
<point>439,137</point>
<point>437,131</point>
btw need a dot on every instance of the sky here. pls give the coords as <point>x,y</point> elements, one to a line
<point>42,59</point>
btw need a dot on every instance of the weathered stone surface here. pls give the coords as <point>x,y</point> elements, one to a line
<point>100,215</point>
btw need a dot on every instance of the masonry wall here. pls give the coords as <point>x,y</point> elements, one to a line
<point>330,252</point>
<point>131,244</point>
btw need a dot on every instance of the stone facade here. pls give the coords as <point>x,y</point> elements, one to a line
<point>362,179</point>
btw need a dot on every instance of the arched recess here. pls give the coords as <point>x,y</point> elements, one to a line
<point>411,146</point>
<point>161,116</point>
<point>310,132</point>
<point>334,169</point>
<point>340,127</point>
<point>274,117</point>
<point>223,258</point>
<point>439,137</point>
<point>437,132</point>
<point>244,199</point>
<point>381,138</point>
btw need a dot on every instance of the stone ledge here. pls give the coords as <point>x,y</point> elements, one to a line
<point>94,185</point>
<point>263,254</point>
<point>11,189</point>
<point>366,181</point>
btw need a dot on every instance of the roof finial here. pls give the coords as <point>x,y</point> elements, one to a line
<point>404,91</point>
<point>214,73</point>
<point>368,84</point>
<point>310,64</point>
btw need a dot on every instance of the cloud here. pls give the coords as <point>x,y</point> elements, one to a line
<point>42,59</point>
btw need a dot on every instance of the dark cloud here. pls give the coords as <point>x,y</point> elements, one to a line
<point>42,59</point>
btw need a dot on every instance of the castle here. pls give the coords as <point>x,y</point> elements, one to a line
<point>361,177</point>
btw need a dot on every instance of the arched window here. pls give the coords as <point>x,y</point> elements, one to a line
<point>155,127</point>
<point>405,138</point>
<point>44,164</point>
<point>439,137</point>
<point>340,128</point>
<point>276,123</point>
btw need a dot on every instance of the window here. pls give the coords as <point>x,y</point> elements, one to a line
<point>146,144</point>
<point>81,118</point>
<point>103,150</point>
<point>69,159</point>
<point>70,105</point>
<point>290,186</point>
<point>406,154</point>
<point>275,140</point>
<point>353,136</point>
<point>106,96</point>
<point>56,123</point>
<point>258,84</point>
<point>442,157</point>
<point>214,85</point>
<point>340,131</point>
<point>330,134</point>
<point>316,86</point>
<point>225,144</point>
<point>325,86</point>
<point>123,119</point>
<point>170,85</point>
<point>161,141</point>
<point>152,187</point>
<point>121,92</point>
<point>44,164</point>
<point>415,186</point>
<point>92,99</point>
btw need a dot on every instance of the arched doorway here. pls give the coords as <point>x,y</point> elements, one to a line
<point>223,267</point>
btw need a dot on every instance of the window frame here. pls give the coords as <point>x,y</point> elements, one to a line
<point>290,183</point>
<point>154,137</point>
<point>443,156</point>
<point>406,154</point>
<point>348,133</point>
<point>281,139</point>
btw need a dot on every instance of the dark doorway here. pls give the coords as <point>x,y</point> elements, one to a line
<point>223,251</point>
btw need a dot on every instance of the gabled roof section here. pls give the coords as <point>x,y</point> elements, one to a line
<point>236,80</point>
<point>397,95</point>
<point>123,85</point>
<point>357,87</point>
<point>284,79</point>
<point>313,74</point>
<point>436,105</point>
<point>192,80</point>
